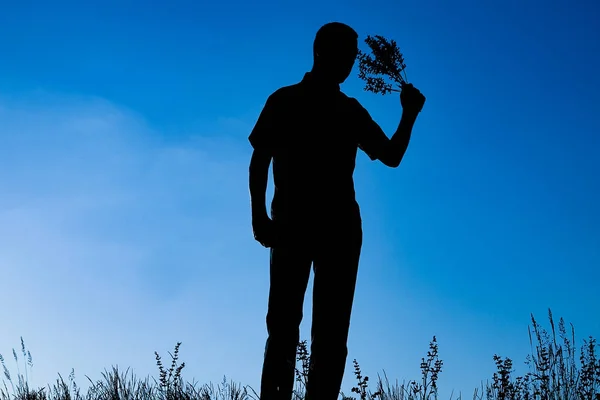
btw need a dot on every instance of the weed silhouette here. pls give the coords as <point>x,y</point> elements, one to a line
<point>557,370</point>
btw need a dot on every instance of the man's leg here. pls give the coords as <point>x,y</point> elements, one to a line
<point>336,268</point>
<point>289,273</point>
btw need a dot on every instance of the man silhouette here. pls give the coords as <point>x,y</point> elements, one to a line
<point>311,131</point>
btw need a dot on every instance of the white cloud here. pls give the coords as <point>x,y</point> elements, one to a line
<point>115,241</point>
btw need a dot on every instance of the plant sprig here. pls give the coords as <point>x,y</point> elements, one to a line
<point>385,60</point>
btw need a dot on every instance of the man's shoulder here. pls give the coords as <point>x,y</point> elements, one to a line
<point>352,101</point>
<point>286,93</point>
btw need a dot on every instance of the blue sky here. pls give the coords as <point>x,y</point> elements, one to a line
<point>124,215</point>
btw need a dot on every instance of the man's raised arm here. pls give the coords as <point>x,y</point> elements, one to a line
<point>374,142</point>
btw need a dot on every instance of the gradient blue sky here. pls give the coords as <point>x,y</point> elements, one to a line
<point>124,215</point>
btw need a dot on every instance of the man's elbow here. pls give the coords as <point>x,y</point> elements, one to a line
<point>393,156</point>
<point>391,161</point>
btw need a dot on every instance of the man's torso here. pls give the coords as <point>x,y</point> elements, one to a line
<point>314,156</point>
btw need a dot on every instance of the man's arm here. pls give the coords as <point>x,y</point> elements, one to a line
<point>258,178</point>
<point>376,144</point>
<point>393,152</point>
<point>373,141</point>
<point>263,141</point>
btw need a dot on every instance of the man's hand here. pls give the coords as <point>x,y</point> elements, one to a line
<point>412,99</point>
<point>264,230</point>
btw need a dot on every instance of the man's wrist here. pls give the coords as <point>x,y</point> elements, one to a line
<point>409,115</point>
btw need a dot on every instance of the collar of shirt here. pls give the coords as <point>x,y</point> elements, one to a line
<point>311,80</point>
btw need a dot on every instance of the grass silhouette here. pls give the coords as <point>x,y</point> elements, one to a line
<point>556,371</point>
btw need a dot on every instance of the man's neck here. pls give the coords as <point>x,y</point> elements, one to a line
<point>318,78</point>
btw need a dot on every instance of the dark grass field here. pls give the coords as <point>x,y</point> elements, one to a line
<point>558,370</point>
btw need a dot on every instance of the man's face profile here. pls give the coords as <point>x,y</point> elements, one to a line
<point>339,60</point>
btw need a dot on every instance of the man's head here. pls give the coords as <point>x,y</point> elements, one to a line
<point>334,50</point>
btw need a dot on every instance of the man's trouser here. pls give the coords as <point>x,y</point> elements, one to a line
<point>334,255</point>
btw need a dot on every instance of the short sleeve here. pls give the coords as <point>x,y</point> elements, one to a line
<point>371,138</point>
<point>262,136</point>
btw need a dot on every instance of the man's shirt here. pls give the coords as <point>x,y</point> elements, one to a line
<point>313,131</point>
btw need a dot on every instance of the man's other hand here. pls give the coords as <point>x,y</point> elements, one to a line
<point>412,99</point>
<point>264,230</point>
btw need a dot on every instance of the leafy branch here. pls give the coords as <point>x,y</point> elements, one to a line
<point>385,61</point>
